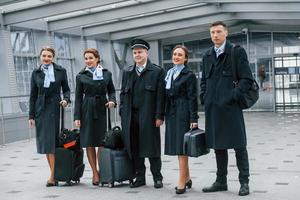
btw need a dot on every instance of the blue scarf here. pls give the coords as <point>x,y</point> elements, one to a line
<point>49,74</point>
<point>172,74</point>
<point>96,71</point>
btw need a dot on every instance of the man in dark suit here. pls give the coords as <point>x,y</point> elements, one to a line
<point>142,113</point>
<point>224,124</point>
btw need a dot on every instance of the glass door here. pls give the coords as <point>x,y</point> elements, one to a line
<point>287,83</point>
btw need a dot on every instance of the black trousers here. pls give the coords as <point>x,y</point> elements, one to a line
<point>242,163</point>
<point>139,162</point>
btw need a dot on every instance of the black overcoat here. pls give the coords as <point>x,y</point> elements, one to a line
<point>44,107</point>
<point>224,121</point>
<point>152,109</point>
<point>181,110</point>
<point>90,99</point>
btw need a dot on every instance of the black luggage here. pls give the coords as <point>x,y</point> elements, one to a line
<point>114,166</point>
<point>113,137</point>
<point>194,143</point>
<point>69,164</point>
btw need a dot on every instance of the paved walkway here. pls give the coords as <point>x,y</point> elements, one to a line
<point>274,153</point>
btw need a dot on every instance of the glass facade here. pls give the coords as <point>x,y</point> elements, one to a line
<point>278,91</point>
<point>25,59</point>
<point>63,56</point>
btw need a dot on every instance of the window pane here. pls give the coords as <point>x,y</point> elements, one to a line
<point>286,43</point>
<point>22,42</point>
<point>62,47</point>
<point>260,44</point>
<point>24,67</point>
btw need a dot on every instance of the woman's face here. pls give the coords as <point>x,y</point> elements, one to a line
<point>90,60</point>
<point>178,56</point>
<point>46,57</point>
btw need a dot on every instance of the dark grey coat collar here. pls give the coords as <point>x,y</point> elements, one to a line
<point>149,66</point>
<point>227,50</point>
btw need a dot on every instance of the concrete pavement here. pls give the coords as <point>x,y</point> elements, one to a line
<point>274,153</point>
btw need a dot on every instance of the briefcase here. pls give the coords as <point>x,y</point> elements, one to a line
<point>194,143</point>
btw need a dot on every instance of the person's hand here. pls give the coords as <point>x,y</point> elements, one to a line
<point>110,104</point>
<point>77,123</point>
<point>31,123</point>
<point>63,103</point>
<point>158,122</point>
<point>193,125</point>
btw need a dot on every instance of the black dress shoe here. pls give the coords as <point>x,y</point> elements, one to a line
<point>189,184</point>
<point>215,187</point>
<point>96,183</point>
<point>180,190</point>
<point>137,183</point>
<point>158,184</point>
<point>244,190</point>
<point>50,184</point>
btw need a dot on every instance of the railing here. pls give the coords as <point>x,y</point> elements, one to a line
<point>14,117</point>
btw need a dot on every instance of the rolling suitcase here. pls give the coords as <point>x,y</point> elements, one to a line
<point>114,162</point>
<point>194,143</point>
<point>69,164</point>
<point>114,166</point>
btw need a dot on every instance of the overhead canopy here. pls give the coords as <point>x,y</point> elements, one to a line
<point>149,19</point>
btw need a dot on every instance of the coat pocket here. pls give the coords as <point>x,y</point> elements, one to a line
<point>227,73</point>
<point>150,88</point>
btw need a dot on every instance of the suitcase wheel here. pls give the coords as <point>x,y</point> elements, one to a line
<point>111,185</point>
<point>69,183</point>
<point>102,184</point>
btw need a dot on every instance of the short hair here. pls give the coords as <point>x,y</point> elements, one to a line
<point>185,49</point>
<point>48,48</point>
<point>94,52</point>
<point>217,23</point>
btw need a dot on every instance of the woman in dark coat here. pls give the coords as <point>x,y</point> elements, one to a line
<point>181,111</point>
<point>93,83</point>
<point>45,100</point>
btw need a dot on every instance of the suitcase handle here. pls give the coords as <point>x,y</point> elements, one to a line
<point>62,118</point>
<point>108,119</point>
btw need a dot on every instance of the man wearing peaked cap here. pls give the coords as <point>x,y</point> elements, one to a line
<point>142,113</point>
<point>139,43</point>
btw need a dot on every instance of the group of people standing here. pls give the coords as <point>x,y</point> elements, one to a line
<point>149,97</point>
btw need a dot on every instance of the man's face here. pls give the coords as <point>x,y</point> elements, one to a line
<point>140,55</point>
<point>218,34</point>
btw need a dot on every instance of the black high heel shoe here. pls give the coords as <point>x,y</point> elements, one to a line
<point>49,184</point>
<point>189,184</point>
<point>180,191</point>
<point>96,183</point>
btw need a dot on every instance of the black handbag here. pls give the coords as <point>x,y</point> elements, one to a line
<point>250,97</point>
<point>113,137</point>
<point>194,143</point>
<point>68,138</point>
